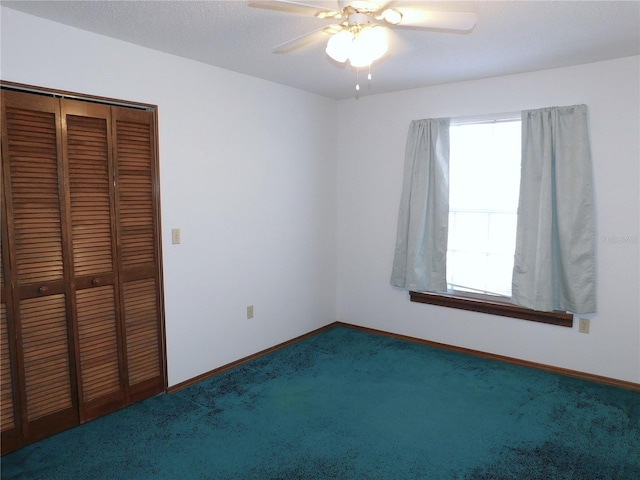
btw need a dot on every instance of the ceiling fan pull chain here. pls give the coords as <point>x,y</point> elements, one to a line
<point>369,76</point>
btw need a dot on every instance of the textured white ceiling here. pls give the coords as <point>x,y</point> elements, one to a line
<point>509,37</point>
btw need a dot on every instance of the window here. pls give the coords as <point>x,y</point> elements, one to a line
<point>484,183</point>
<point>468,225</point>
<point>484,189</point>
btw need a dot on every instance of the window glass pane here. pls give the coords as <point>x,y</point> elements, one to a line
<point>499,268</point>
<point>470,231</point>
<point>483,204</point>
<point>502,228</point>
<point>468,270</point>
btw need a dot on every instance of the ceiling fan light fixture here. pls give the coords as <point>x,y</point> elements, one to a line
<point>369,45</point>
<point>361,47</point>
<point>359,31</point>
<point>339,46</point>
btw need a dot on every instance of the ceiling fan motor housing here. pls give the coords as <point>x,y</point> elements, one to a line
<point>358,19</point>
<point>359,6</point>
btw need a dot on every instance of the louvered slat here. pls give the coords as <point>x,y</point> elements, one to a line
<point>87,153</point>
<point>46,355</point>
<point>98,341</point>
<point>141,315</point>
<point>1,257</point>
<point>33,178</point>
<point>136,195</point>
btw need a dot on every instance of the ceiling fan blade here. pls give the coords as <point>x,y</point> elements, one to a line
<point>306,39</point>
<point>295,7</point>
<point>437,20</point>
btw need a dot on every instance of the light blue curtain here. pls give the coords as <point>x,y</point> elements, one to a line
<point>555,262</point>
<point>421,244</point>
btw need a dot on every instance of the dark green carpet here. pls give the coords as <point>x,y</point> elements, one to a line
<point>346,404</point>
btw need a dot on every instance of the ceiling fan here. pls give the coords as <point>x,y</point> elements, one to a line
<point>359,31</point>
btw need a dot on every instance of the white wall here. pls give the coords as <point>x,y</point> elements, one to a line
<point>253,192</point>
<point>248,172</point>
<point>371,142</point>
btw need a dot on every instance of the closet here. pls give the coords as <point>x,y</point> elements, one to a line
<point>82,316</point>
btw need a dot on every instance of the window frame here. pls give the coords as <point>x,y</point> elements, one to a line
<point>491,307</point>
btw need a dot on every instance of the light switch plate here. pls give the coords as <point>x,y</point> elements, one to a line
<point>175,236</point>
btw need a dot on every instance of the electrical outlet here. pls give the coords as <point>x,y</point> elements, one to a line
<point>249,312</point>
<point>583,326</point>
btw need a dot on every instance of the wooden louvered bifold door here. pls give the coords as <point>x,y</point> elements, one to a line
<point>137,199</point>
<point>87,149</point>
<point>11,430</point>
<point>82,331</point>
<point>10,423</point>
<point>41,323</point>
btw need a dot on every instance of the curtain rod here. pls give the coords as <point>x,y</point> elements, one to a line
<point>488,118</point>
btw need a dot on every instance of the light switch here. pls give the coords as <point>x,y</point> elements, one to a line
<point>175,236</point>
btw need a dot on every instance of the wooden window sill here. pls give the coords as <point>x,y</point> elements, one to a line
<point>493,308</point>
